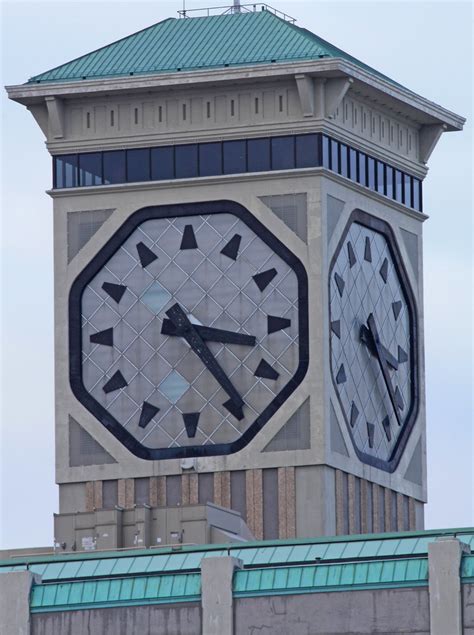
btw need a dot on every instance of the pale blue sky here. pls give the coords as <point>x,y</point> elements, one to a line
<point>425,46</point>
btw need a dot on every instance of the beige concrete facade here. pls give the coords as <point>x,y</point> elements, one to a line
<point>331,96</point>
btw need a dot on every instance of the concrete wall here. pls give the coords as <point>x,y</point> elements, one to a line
<point>178,619</point>
<point>386,612</point>
<point>468,608</point>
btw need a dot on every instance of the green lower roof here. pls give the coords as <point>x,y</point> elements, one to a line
<point>186,44</point>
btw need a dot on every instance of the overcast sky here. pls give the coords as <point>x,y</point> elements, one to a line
<point>425,46</point>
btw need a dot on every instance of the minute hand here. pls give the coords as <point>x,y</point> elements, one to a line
<point>383,364</point>
<point>187,330</point>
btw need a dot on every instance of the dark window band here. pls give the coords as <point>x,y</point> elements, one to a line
<point>236,157</point>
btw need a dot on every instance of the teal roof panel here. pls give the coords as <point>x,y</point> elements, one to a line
<point>188,44</point>
<point>118,592</point>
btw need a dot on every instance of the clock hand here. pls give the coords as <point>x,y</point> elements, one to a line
<point>189,332</point>
<point>367,339</point>
<point>209,334</point>
<point>383,364</point>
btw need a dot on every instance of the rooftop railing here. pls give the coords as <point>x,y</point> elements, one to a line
<point>235,8</point>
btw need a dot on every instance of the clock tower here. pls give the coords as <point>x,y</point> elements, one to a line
<point>238,285</point>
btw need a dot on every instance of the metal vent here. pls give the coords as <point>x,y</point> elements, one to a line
<point>81,226</point>
<point>292,209</point>
<point>295,434</point>
<point>83,449</point>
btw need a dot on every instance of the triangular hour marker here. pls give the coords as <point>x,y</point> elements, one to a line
<point>367,250</point>
<point>147,414</point>
<point>354,414</point>
<point>263,279</point>
<point>266,371</point>
<point>402,355</point>
<point>115,291</point>
<point>191,420</point>
<point>275,323</point>
<point>384,270</point>
<point>399,399</point>
<point>339,283</point>
<point>231,250</point>
<point>351,254</point>
<point>106,338</point>
<point>189,239</point>
<point>370,434</point>
<point>336,328</point>
<point>145,254</point>
<point>396,308</point>
<point>341,375</point>
<point>386,427</point>
<point>116,382</point>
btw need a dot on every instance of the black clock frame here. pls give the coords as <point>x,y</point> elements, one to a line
<point>96,264</point>
<point>382,227</point>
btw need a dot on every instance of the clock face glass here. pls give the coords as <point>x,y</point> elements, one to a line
<point>373,343</point>
<point>188,330</point>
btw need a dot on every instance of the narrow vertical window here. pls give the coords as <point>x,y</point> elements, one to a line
<point>344,165</point>
<point>371,173</point>
<point>256,105</point>
<point>399,186</point>
<point>280,103</point>
<point>365,121</point>
<point>232,108</point>
<point>407,190</point>
<point>416,191</point>
<point>135,115</point>
<point>334,155</point>
<point>383,129</point>
<point>184,112</point>
<point>88,120</point>
<point>208,109</point>
<point>389,179</point>
<point>112,117</point>
<point>353,164</point>
<point>380,177</point>
<point>362,168</point>
<point>325,152</point>
<point>160,114</point>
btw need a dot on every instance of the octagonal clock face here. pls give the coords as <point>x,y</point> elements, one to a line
<point>188,330</point>
<point>374,358</point>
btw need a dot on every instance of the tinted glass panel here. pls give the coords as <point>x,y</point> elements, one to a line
<point>371,173</point>
<point>353,164</point>
<point>210,159</point>
<point>325,152</point>
<point>417,194</point>
<point>334,155</point>
<point>307,151</point>
<point>389,176</point>
<point>398,186</point>
<point>114,166</point>
<point>258,155</point>
<point>234,153</point>
<point>380,177</point>
<point>162,163</point>
<point>186,161</point>
<point>90,168</point>
<point>138,165</point>
<point>344,164</point>
<point>408,200</point>
<point>283,153</point>
<point>66,171</point>
<point>362,168</point>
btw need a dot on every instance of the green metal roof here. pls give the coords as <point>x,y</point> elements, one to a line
<point>120,592</point>
<point>127,578</point>
<point>186,44</point>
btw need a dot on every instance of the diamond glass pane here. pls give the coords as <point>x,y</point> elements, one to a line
<point>156,297</point>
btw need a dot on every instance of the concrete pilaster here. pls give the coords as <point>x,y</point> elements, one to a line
<point>216,596</point>
<point>15,590</point>
<point>444,562</point>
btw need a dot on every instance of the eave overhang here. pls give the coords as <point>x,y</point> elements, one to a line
<point>382,92</point>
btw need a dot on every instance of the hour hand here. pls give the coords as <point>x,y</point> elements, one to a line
<point>209,334</point>
<point>367,339</point>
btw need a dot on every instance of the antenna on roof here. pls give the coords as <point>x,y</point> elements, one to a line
<point>236,6</point>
